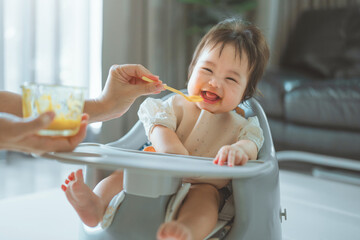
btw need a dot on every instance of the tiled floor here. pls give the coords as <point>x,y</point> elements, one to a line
<point>22,174</point>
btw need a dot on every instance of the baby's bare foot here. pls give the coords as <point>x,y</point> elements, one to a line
<point>173,231</point>
<point>86,203</point>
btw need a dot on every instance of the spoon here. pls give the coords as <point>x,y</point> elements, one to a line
<point>193,98</point>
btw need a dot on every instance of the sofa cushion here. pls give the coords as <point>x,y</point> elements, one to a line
<point>326,43</point>
<point>273,87</point>
<point>333,142</point>
<point>326,104</point>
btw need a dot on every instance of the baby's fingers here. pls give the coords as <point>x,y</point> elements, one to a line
<point>231,158</point>
<point>222,157</point>
<point>216,159</point>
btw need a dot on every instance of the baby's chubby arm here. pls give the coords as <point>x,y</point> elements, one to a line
<point>165,140</point>
<point>237,154</point>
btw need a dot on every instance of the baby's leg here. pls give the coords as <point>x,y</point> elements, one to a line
<point>109,187</point>
<point>197,217</point>
<point>90,205</point>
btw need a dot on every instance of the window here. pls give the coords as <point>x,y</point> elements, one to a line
<point>46,41</point>
<point>51,41</point>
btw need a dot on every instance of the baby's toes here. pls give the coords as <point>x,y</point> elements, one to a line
<point>79,175</point>
<point>71,176</point>
<point>63,187</point>
<point>77,186</point>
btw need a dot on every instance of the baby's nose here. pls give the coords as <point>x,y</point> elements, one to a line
<point>214,82</point>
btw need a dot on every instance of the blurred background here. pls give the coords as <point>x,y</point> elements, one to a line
<point>75,43</point>
<point>310,91</point>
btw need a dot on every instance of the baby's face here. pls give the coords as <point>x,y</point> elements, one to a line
<point>220,79</point>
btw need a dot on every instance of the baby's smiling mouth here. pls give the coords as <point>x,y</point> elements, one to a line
<point>209,97</point>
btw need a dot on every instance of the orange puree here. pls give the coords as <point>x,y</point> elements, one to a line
<point>62,123</point>
<point>26,104</point>
<point>69,121</point>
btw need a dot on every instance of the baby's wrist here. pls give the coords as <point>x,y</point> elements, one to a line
<point>236,145</point>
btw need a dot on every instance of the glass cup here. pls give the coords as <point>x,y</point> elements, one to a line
<point>67,103</point>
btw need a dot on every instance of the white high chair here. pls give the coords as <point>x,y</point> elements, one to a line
<point>151,179</point>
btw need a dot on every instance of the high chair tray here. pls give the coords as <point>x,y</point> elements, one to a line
<point>107,157</point>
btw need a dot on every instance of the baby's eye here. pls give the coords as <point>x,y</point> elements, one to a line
<point>231,79</point>
<point>207,69</point>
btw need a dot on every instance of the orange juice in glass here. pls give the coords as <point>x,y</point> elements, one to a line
<point>67,103</point>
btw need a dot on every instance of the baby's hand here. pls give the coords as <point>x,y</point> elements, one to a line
<point>232,154</point>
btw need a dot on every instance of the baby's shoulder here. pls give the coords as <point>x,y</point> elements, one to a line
<point>178,100</point>
<point>238,117</point>
<point>178,105</point>
<point>183,108</point>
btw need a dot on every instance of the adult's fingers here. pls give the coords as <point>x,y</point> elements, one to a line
<point>84,117</point>
<point>41,144</point>
<point>150,88</point>
<point>130,71</point>
<point>76,139</point>
<point>34,125</point>
<point>134,73</point>
<point>127,73</point>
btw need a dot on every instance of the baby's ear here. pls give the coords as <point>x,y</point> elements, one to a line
<point>240,111</point>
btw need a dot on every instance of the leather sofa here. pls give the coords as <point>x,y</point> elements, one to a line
<point>312,100</point>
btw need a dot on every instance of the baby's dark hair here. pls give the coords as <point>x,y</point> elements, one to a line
<point>246,38</point>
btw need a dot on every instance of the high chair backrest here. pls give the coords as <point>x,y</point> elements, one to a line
<point>253,108</point>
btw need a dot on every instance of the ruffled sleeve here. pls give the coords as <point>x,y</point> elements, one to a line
<point>252,131</point>
<point>157,112</point>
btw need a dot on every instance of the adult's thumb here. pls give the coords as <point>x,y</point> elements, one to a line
<point>151,88</point>
<point>36,124</point>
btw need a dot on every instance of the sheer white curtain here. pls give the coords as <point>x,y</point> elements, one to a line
<point>46,41</point>
<point>75,43</point>
<point>147,32</point>
<point>51,41</point>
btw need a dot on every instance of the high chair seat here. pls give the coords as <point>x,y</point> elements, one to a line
<point>151,179</point>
